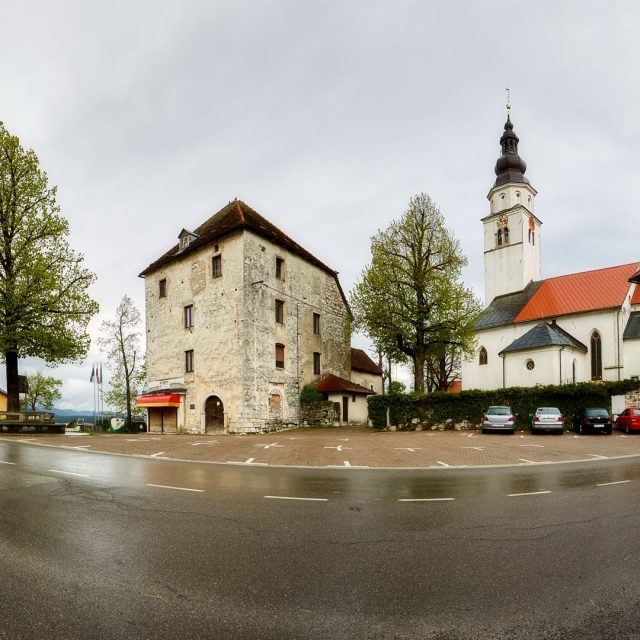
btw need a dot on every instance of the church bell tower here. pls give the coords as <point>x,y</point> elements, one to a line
<point>512,229</point>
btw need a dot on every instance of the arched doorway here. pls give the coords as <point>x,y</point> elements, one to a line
<point>213,414</point>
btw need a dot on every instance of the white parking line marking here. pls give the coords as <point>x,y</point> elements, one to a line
<point>166,486</point>
<point>442,464</point>
<point>407,449</point>
<point>531,493</point>
<point>425,499</point>
<point>269,446</point>
<point>195,444</point>
<point>297,498</point>
<point>26,439</point>
<point>157,455</point>
<point>529,461</point>
<point>540,446</point>
<point>597,456</point>
<point>81,446</point>
<point>3,462</point>
<point>249,461</point>
<point>471,435</point>
<point>347,463</point>
<point>606,484</point>
<point>476,448</point>
<point>339,448</point>
<point>70,473</point>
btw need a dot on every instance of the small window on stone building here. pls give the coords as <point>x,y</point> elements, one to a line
<point>188,316</point>
<point>499,237</point>
<point>280,268</point>
<point>279,311</point>
<point>483,356</point>
<point>275,402</point>
<point>279,356</point>
<point>216,263</point>
<point>162,292</point>
<point>530,365</point>
<point>353,398</point>
<point>188,361</point>
<point>506,235</point>
<point>316,363</point>
<point>316,323</point>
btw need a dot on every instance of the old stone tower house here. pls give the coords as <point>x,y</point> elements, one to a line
<point>239,318</point>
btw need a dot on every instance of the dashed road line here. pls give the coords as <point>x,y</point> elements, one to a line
<point>297,498</point>
<point>524,460</point>
<point>5,462</point>
<point>607,484</point>
<point>70,473</point>
<point>157,455</point>
<point>443,464</point>
<point>476,448</point>
<point>166,486</point>
<point>407,449</point>
<point>426,499</point>
<point>530,493</point>
<point>269,446</point>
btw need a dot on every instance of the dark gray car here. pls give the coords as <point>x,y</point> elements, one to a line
<point>499,419</point>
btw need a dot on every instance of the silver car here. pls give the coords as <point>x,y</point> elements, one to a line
<point>499,419</point>
<point>547,419</point>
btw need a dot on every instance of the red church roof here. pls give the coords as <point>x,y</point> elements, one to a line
<point>635,299</point>
<point>579,293</point>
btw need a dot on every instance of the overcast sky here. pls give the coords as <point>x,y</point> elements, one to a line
<point>325,117</point>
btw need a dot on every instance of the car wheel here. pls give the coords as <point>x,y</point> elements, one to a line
<point>483,430</point>
<point>533,431</point>
<point>560,432</point>
<point>627,430</point>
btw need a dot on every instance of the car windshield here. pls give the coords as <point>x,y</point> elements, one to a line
<point>548,411</point>
<point>597,413</point>
<point>635,412</point>
<point>499,411</point>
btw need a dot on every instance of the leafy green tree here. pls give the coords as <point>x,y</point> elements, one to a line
<point>410,294</point>
<point>121,342</point>
<point>310,394</point>
<point>395,386</point>
<point>42,390</point>
<point>44,304</point>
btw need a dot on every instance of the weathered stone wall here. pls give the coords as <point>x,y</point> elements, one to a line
<point>320,413</point>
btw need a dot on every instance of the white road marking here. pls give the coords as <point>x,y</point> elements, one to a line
<point>195,444</point>
<point>4,462</point>
<point>166,486</point>
<point>157,455</point>
<point>425,499</point>
<point>443,464</point>
<point>606,484</point>
<point>26,439</point>
<point>268,446</point>
<point>597,456</point>
<point>476,448</point>
<point>297,498</point>
<point>339,448</point>
<point>471,435</point>
<point>523,460</point>
<point>532,493</point>
<point>81,446</point>
<point>70,473</point>
<point>540,446</point>
<point>344,439</point>
<point>249,461</point>
<point>347,463</point>
<point>407,449</point>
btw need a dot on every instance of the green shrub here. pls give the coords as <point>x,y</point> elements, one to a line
<point>438,407</point>
<point>309,394</point>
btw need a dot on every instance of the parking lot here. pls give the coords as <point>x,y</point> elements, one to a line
<point>355,447</point>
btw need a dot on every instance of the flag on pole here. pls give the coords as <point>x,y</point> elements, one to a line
<point>100,381</point>
<point>93,373</point>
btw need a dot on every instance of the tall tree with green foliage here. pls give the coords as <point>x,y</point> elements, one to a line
<point>411,295</point>
<point>41,391</point>
<point>44,303</point>
<point>121,342</point>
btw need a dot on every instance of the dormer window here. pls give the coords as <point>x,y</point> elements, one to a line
<point>185,239</point>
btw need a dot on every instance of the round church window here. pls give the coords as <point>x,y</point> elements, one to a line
<point>530,364</point>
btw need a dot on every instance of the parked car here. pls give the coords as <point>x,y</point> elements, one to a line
<point>629,420</point>
<point>498,419</point>
<point>592,419</point>
<point>547,419</point>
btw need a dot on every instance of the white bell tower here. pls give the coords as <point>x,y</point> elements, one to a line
<point>512,229</point>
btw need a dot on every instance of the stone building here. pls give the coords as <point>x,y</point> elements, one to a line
<point>239,317</point>
<point>572,328</point>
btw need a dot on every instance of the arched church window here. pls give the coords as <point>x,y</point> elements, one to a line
<point>517,194</point>
<point>506,235</point>
<point>529,235</point>
<point>499,237</point>
<point>596,356</point>
<point>483,356</point>
<point>573,372</point>
<point>533,238</point>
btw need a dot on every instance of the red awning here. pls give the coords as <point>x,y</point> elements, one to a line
<point>159,400</point>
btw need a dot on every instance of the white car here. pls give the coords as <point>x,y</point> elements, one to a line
<point>547,419</point>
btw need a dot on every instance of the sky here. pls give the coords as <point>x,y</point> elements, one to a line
<point>325,117</point>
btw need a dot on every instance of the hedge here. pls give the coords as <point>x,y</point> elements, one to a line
<point>439,407</point>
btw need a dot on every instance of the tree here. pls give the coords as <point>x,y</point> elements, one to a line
<point>121,341</point>
<point>44,304</point>
<point>42,390</point>
<point>410,294</point>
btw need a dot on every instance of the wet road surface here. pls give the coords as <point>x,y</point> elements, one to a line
<point>106,546</point>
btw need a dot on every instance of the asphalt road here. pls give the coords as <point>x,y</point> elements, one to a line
<point>103,546</point>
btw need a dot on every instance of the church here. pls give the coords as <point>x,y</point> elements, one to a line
<point>574,328</point>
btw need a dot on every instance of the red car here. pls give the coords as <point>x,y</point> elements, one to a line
<point>629,420</point>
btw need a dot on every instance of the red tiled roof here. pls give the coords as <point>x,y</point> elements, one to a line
<point>360,361</point>
<point>635,277</point>
<point>635,299</point>
<point>333,384</point>
<point>579,293</point>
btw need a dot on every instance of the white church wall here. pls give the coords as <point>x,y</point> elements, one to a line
<point>631,354</point>
<point>546,367</point>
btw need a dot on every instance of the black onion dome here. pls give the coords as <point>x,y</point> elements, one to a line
<point>510,166</point>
